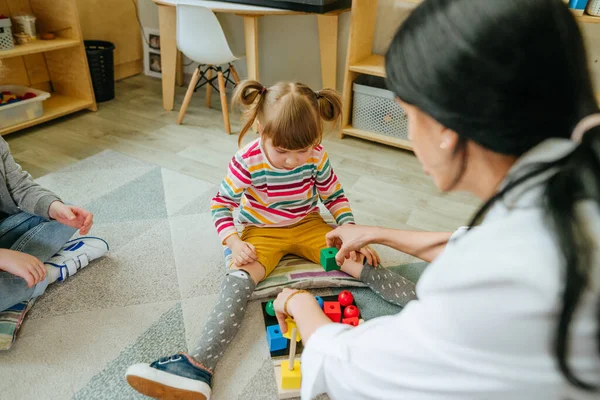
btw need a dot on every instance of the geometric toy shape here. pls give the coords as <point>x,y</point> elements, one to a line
<point>291,324</point>
<point>351,321</point>
<point>291,379</point>
<point>345,298</point>
<point>351,312</point>
<point>320,301</point>
<point>275,339</point>
<point>333,310</point>
<point>269,308</point>
<point>328,259</point>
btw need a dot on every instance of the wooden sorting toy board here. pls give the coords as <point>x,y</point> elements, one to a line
<point>278,356</point>
<point>281,355</point>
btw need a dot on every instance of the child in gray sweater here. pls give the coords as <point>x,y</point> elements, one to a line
<point>35,232</point>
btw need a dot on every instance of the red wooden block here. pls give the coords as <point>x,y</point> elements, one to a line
<point>350,321</point>
<point>351,312</point>
<point>333,310</point>
<point>345,298</point>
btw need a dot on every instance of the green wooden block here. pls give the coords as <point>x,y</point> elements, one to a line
<point>328,259</point>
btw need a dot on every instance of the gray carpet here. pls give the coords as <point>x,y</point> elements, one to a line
<point>148,298</point>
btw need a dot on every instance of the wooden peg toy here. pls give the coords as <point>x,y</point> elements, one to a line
<point>291,375</point>
<point>269,308</point>
<point>275,339</point>
<point>292,327</point>
<point>351,312</point>
<point>320,301</point>
<point>345,298</point>
<point>333,310</point>
<point>328,259</point>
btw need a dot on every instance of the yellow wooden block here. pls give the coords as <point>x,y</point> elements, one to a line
<point>291,324</point>
<point>8,97</point>
<point>291,379</point>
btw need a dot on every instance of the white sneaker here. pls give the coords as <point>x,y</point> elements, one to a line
<point>77,254</point>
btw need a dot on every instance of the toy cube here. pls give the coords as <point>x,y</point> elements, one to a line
<point>275,339</point>
<point>8,97</point>
<point>350,321</point>
<point>291,379</point>
<point>333,310</point>
<point>328,259</point>
<point>291,324</point>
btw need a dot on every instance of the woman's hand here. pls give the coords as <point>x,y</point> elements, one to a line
<point>303,308</point>
<point>23,265</point>
<point>349,238</point>
<point>279,304</point>
<point>74,217</point>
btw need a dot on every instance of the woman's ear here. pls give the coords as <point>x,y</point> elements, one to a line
<point>448,139</point>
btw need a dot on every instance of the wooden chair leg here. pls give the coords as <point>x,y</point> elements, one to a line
<point>188,95</point>
<point>208,85</point>
<point>236,78</point>
<point>224,107</point>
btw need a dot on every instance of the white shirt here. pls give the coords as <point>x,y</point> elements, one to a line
<point>484,324</point>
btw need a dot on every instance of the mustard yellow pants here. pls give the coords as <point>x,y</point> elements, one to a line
<point>304,239</point>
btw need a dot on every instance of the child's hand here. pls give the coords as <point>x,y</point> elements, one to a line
<point>371,255</point>
<point>243,253</point>
<point>23,265</point>
<point>74,217</point>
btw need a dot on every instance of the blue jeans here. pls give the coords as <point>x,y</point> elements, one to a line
<point>31,235</point>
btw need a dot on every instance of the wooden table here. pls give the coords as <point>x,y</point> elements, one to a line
<point>328,37</point>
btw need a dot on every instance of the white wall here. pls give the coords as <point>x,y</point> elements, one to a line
<point>288,46</point>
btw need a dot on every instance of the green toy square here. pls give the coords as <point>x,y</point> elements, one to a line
<point>328,259</point>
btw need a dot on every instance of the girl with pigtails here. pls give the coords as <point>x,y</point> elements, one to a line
<point>276,181</point>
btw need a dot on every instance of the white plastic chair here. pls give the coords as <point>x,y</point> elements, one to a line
<point>201,38</point>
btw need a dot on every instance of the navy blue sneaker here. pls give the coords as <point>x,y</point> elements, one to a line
<point>175,377</point>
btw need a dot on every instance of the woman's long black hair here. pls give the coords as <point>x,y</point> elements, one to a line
<point>507,75</point>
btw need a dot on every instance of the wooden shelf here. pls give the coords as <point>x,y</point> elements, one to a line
<point>377,137</point>
<point>56,106</point>
<point>588,19</point>
<point>372,65</point>
<point>39,46</point>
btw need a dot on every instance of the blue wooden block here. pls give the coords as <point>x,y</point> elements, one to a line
<point>275,338</point>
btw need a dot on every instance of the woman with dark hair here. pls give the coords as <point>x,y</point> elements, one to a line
<point>500,104</point>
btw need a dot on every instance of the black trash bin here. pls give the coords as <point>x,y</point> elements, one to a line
<point>102,68</point>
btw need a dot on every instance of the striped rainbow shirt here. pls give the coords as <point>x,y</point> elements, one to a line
<point>267,196</point>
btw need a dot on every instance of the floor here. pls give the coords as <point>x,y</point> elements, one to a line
<point>384,184</point>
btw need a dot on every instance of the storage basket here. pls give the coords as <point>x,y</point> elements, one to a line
<point>375,109</point>
<point>102,69</point>
<point>6,37</point>
<point>593,7</point>
<point>24,110</point>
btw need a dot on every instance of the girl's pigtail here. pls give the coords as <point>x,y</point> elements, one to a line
<point>251,95</point>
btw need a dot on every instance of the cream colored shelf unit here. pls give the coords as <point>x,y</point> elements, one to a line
<point>361,60</point>
<point>57,66</point>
